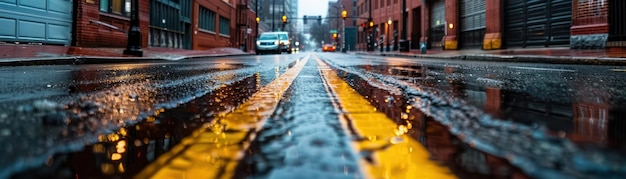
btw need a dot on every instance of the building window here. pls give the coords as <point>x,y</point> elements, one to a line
<point>119,7</point>
<point>224,26</point>
<point>207,19</point>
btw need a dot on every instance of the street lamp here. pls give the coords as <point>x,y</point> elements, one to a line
<point>133,43</point>
<point>388,25</point>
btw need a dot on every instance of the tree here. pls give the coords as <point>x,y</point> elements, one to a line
<point>320,32</point>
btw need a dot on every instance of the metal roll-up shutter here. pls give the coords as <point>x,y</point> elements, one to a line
<point>473,23</point>
<point>437,23</point>
<point>536,19</point>
<point>560,22</point>
<point>38,21</point>
<point>617,27</point>
<point>515,21</point>
<point>537,22</point>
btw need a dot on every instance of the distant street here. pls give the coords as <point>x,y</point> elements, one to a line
<point>313,115</point>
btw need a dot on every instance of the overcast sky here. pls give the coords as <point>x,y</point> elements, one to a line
<point>312,7</point>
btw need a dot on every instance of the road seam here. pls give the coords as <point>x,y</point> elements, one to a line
<point>214,150</point>
<point>387,150</point>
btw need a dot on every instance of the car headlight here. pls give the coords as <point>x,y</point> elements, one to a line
<point>277,42</point>
<point>258,43</point>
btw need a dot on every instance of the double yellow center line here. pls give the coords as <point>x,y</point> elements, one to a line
<point>395,154</point>
<point>214,150</point>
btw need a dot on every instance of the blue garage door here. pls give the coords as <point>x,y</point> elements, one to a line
<point>39,21</point>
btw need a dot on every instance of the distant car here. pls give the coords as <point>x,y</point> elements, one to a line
<point>268,43</point>
<point>329,48</point>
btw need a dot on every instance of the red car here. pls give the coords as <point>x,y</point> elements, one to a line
<point>328,48</point>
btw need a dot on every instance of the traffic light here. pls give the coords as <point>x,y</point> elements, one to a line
<point>258,19</point>
<point>284,19</point>
<point>334,35</point>
<point>363,25</point>
<point>319,19</point>
<point>344,14</point>
<point>304,19</point>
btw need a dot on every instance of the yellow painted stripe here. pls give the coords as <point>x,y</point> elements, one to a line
<point>403,156</point>
<point>214,150</point>
<point>618,70</point>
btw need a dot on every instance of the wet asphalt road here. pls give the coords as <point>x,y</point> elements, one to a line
<point>481,119</point>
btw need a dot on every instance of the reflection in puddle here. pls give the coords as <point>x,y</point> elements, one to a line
<point>464,160</point>
<point>589,117</point>
<point>536,121</point>
<point>125,152</point>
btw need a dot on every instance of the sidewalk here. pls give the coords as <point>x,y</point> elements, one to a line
<point>562,55</point>
<point>24,54</point>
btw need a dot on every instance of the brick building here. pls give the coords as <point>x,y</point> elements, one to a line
<point>494,24</point>
<point>188,24</point>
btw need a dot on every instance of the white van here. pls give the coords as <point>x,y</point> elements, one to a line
<point>276,42</point>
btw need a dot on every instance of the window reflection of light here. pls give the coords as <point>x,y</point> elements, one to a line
<point>107,168</point>
<point>113,137</point>
<point>116,156</point>
<point>123,132</point>
<point>121,150</point>
<point>98,148</point>
<point>120,168</point>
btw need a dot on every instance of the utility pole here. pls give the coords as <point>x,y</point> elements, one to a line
<point>256,11</point>
<point>273,13</point>
<point>370,45</point>
<point>133,43</point>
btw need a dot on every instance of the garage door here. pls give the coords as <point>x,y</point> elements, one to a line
<point>473,23</point>
<point>617,27</point>
<point>537,22</point>
<point>41,21</point>
<point>437,23</point>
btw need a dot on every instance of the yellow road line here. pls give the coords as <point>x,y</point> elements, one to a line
<point>214,150</point>
<point>396,155</point>
<point>618,70</point>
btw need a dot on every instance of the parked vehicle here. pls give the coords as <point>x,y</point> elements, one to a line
<point>268,42</point>
<point>329,48</point>
<point>284,41</point>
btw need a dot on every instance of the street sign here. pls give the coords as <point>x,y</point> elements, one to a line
<point>333,31</point>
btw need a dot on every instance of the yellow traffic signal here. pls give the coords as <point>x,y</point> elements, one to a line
<point>258,19</point>
<point>344,14</point>
<point>284,19</point>
<point>371,23</point>
<point>334,35</point>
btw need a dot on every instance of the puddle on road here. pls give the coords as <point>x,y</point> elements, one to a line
<point>445,148</point>
<point>127,151</point>
<point>594,126</point>
<point>589,119</point>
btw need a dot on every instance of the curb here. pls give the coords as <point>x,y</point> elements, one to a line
<point>76,60</point>
<point>516,58</point>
